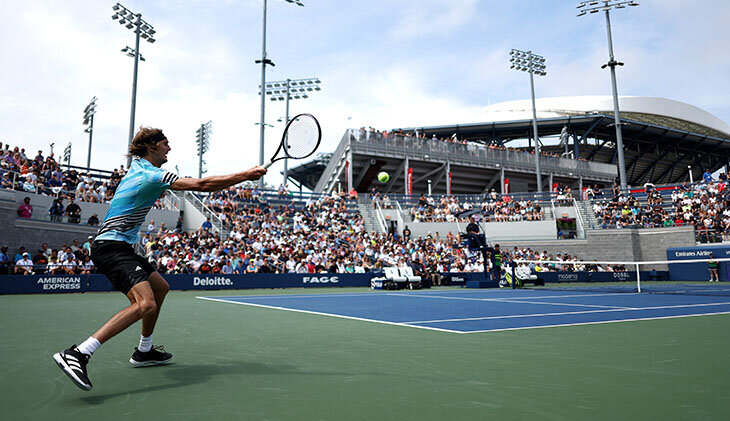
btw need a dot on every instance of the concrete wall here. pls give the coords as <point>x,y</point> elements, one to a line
<point>41,204</point>
<point>618,244</point>
<point>496,231</point>
<point>16,232</point>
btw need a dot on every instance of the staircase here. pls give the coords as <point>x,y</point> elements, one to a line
<point>585,207</point>
<point>368,217</point>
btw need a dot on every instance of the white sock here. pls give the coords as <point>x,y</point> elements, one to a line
<point>89,346</point>
<point>145,343</point>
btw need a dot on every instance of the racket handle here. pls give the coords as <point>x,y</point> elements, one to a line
<point>268,165</point>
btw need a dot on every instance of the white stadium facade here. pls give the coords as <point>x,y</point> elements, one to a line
<point>664,141</point>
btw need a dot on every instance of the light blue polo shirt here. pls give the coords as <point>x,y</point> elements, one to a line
<point>136,194</point>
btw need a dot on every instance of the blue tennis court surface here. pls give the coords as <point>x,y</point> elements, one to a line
<point>472,311</point>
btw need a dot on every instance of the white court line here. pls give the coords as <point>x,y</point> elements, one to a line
<point>330,314</point>
<point>596,323</point>
<point>334,294</point>
<point>539,297</point>
<point>509,300</point>
<point>512,316</point>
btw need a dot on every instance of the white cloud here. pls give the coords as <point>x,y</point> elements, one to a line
<point>432,17</point>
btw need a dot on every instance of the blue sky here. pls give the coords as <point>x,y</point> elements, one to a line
<point>383,63</point>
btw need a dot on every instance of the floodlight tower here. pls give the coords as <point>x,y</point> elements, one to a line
<point>142,30</point>
<point>89,112</point>
<point>595,7</point>
<point>203,139</point>
<point>284,90</point>
<point>526,61</point>
<point>264,61</point>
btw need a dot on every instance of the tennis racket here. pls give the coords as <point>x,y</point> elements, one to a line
<point>300,139</point>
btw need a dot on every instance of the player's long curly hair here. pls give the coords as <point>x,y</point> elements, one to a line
<point>146,136</point>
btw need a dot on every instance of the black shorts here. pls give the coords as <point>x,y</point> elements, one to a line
<point>122,266</point>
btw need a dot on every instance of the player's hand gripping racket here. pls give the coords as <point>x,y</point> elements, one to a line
<point>301,138</point>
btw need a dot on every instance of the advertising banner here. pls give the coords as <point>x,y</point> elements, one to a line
<point>38,284</point>
<point>697,271</point>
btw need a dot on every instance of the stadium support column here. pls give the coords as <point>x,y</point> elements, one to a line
<point>448,176</point>
<point>580,186</point>
<point>349,170</point>
<point>501,180</point>
<point>550,187</point>
<point>405,176</point>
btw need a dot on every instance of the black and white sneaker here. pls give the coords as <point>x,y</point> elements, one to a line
<point>73,363</point>
<point>154,356</point>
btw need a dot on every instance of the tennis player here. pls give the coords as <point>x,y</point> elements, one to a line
<point>712,265</point>
<point>113,254</point>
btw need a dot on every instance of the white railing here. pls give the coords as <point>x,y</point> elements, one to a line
<point>217,223</point>
<point>580,226</point>
<point>401,220</point>
<point>171,201</point>
<point>380,218</point>
<point>552,209</point>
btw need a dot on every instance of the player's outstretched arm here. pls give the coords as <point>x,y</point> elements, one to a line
<point>218,182</point>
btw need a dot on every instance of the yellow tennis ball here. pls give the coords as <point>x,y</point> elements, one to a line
<point>383,177</point>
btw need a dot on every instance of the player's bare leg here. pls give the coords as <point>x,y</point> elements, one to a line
<point>142,305</point>
<point>146,354</point>
<point>160,288</point>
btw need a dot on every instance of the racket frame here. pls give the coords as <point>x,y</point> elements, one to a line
<point>284,140</point>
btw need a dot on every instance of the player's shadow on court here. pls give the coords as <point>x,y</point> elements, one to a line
<point>183,375</point>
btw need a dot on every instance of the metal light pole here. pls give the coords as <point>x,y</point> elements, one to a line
<point>264,61</point>
<point>526,61</point>
<point>143,30</point>
<point>284,90</point>
<point>89,112</point>
<point>595,7</point>
<point>203,139</point>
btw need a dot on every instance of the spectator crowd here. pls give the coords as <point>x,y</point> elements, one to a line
<point>73,259</point>
<point>704,205</point>
<point>493,208</point>
<point>43,175</point>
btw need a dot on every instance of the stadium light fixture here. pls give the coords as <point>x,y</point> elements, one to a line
<point>534,64</point>
<point>203,139</point>
<point>89,112</point>
<point>292,89</point>
<point>143,30</point>
<point>131,53</point>
<point>606,6</point>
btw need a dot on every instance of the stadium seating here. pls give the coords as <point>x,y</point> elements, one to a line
<point>706,206</point>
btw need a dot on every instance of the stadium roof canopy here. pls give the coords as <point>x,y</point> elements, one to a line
<point>662,137</point>
<point>658,111</point>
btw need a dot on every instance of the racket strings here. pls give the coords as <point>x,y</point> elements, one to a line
<point>302,137</point>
